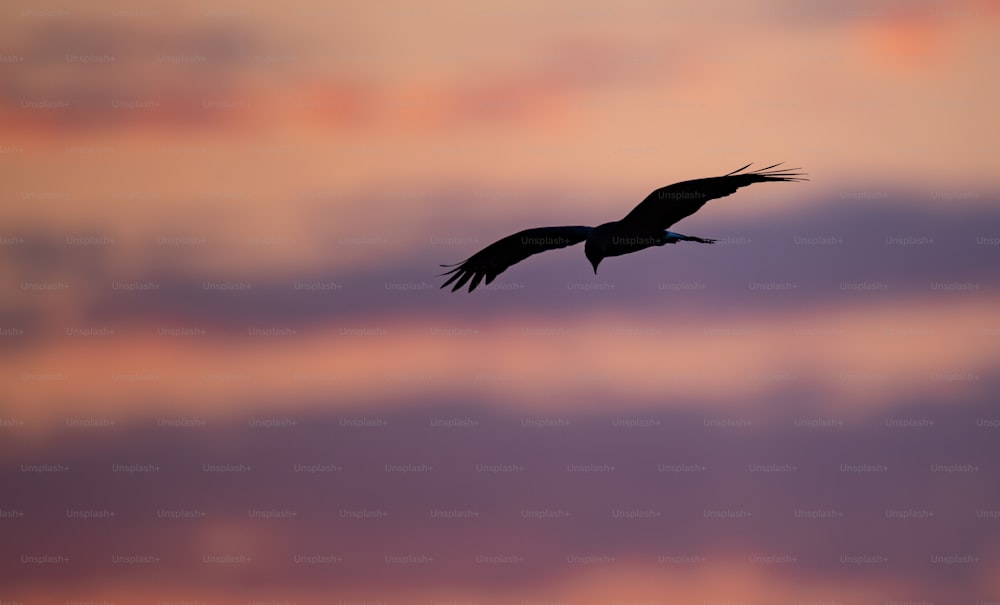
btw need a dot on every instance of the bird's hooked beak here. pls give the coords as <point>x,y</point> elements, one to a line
<point>594,262</point>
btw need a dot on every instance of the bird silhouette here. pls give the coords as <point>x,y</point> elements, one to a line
<point>646,225</point>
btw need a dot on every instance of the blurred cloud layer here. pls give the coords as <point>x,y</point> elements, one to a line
<point>229,374</point>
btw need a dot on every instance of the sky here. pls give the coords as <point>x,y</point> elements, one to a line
<point>228,374</point>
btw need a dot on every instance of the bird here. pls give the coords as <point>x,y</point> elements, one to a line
<point>645,226</point>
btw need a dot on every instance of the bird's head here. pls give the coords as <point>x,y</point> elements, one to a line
<point>594,252</point>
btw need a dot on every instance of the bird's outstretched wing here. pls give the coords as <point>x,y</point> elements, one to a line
<point>495,258</point>
<point>667,205</point>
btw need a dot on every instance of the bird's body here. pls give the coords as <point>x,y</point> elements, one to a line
<point>619,237</point>
<point>645,226</point>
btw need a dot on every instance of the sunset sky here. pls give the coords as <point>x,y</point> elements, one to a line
<point>228,375</point>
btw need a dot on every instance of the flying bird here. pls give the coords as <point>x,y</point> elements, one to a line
<point>646,225</point>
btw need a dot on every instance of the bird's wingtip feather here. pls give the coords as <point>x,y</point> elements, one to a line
<point>449,272</point>
<point>450,279</point>
<point>740,169</point>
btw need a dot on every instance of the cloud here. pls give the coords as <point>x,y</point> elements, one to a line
<point>484,492</point>
<point>94,75</point>
<point>861,302</point>
<point>832,254</point>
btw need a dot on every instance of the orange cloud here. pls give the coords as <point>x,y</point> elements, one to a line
<point>856,358</point>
